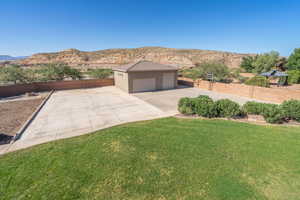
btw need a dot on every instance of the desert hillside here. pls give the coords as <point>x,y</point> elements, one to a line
<point>115,57</point>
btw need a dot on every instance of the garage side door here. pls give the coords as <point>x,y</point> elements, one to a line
<point>168,80</point>
<point>143,85</point>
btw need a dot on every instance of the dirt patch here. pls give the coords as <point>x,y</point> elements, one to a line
<point>13,114</point>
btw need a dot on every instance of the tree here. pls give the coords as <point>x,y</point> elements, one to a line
<point>281,64</point>
<point>100,73</point>
<point>193,73</point>
<point>220,71</point>
<point>72,72</point>
<point>294,60</point>
<point>58,71</point>
<point>12,73</point>
<point>247,63</point>
<point>265,62</point>
<point>30,75</point>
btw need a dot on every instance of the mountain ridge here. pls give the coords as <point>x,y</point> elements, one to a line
<point>118,56</point>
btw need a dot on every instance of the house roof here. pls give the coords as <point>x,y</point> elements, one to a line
<point>144,66</point>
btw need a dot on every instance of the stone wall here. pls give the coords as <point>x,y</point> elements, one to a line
<point>276,95</point>
<point>13,90</point>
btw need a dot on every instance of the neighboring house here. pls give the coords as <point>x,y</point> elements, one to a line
<point>145,76</point>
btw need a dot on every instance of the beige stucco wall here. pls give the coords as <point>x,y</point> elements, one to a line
<point>147,75</point>
<point>121,80</point>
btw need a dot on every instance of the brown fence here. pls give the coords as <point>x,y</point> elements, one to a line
<point>277,95</point>
<point>13,90</point>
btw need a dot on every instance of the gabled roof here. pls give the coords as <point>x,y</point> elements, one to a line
<point>144,66</point>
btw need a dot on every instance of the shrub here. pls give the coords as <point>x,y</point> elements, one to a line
<point>294,76</point>
<point>12,73</point>
<point>258,81</point>
<point>255,108</point>
<point>193,73</point>
<point>100,73</point>
<point>273,114</point>
<point>72,73</point>
<point>57,71</point>
<point>291,109</point>
<point>252,107</point>
<point>186,106</point>
<point>220,71</point>
<point>205,107</point>
<point>227,108</point>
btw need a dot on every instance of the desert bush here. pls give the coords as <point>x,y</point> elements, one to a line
<point>291,109</point>
<point>57,71</point>
<point>12,73</point>
<point>273,114</point>
<point>258,81</point>
<point>186,106</point>
<point>293,76</point>
<point>220,71</point>
<point>30,75</point>
<point>100,73</point>
<point>227,108</point>
<point>193,73</point>
<point>205,107</point>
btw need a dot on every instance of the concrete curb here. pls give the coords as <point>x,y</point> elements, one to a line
<point>31,118</point>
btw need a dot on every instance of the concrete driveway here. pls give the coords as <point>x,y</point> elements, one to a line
<point>167,100</point>
<point>74,112</point>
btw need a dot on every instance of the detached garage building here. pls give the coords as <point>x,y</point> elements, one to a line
<point>145,76</point>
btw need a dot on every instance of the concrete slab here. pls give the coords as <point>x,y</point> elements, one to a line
<point>75,112</point>
<point>71,113</point>
<point>167,100</point>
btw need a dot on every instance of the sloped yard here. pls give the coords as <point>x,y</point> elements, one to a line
<point>160,159</point>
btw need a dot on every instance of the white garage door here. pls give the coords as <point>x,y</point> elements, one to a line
<point>168,80</point>
<point>145,84</point>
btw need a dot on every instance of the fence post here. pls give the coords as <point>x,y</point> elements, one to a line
<point>210,85</point>
<point>252,91</point>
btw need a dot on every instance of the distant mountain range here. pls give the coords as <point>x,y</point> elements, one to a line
<point>7,57</point>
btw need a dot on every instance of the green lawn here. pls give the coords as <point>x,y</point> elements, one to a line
<point>161,159</point>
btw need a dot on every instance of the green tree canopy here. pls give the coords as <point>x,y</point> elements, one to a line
<point>12,73</point>
<point>294,60</point>
<point>265,62</point>
<point>57,71</point>
<point>247,63</point>
<point>100,73</point>
<point>261,63</point>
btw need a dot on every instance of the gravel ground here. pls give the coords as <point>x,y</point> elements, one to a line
<point>14,113</point>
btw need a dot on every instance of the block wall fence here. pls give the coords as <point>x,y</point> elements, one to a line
<point>13,90</point>
<point>276,95</point>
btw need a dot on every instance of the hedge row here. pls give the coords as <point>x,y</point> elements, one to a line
<point>273,113</point>
<point>204,106</point>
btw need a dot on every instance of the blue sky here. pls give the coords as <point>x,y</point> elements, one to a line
<point>253,26</point>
